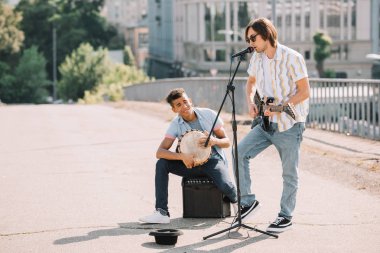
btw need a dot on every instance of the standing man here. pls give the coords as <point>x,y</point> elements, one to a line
<point>279,72</point>
<point>189,117</point>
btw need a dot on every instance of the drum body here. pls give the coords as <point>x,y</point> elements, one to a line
<point>189,144</point>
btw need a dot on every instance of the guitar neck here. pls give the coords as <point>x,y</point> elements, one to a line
<point>275,108</point>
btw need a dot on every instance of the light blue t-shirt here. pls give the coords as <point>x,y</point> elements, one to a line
<point>206,118</point>
<point>197,126</point>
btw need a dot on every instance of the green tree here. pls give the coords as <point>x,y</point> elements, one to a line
<point>37,27</point>
<point>75,21</point>
<point>31,77</point>
<point>323,44</point>
<point>80,21</point>
<point>83,70</point>
<point>116,42</point>
<point>29,82</point>
<point>128,57</point>
<point>6,83</point>
<point>329,73</point>
<point>11,37</point>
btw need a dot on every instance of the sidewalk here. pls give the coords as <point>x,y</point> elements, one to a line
<point>77,178</point>
<point>345,143</point>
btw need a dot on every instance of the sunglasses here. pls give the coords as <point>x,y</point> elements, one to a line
<point>251,38</point>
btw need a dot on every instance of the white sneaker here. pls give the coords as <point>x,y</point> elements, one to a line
<point>156,217</point>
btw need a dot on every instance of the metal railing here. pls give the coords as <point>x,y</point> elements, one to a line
<point>349,106</point>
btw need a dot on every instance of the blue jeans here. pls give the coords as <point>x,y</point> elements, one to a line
<point>287,144</point>
<point>215,169</point>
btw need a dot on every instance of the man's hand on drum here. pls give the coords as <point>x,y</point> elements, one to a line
<point>188,160</point>
<point>203,139</point>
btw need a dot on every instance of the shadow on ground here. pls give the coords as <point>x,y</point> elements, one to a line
<point>136,228</point>
<point>242,241</point>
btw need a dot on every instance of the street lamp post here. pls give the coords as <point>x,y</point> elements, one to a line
<point>54,63</point>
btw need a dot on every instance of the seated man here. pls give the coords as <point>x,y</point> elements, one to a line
<point>183,164</point>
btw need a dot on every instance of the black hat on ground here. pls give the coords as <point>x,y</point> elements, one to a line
<point>166,236</point>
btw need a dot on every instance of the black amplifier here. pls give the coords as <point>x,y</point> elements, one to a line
<point>202,199</point>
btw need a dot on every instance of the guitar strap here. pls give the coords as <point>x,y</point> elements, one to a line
<point>257,100</point>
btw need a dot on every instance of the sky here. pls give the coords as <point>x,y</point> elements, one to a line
<point>13,2</point>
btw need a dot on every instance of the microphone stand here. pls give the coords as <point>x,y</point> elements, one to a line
<point>231,88</point>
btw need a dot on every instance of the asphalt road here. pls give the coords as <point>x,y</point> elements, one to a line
<point>77,178</point>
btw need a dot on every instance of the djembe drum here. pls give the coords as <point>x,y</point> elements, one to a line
<point>189,144</point>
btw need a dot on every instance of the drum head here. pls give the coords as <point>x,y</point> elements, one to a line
<point>189,144</point>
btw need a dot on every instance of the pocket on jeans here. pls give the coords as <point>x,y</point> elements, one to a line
<point>301,129</point>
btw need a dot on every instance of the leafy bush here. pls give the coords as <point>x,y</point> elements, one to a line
<point>115,80</point>
<point>102,93</point>
<point>89,77</point>
<point>129,58</point>
<point>126,75</point>
<point>329,73</point>
<point>83,70</point>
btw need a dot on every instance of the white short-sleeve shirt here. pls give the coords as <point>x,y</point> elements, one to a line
<point>286,68</point>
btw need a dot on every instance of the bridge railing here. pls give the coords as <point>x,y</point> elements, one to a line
<point>349,106</point>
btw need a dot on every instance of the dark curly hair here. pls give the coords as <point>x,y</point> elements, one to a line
<point>174,94</point>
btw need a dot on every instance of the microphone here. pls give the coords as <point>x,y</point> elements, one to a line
<point>245,51</point>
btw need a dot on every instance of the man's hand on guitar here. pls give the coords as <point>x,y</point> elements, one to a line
<point>265,107</point>
<point>253,111</point>
<point>268,111</point>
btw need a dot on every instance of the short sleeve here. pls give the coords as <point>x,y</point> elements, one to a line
<point>172,131</point>
<point>299,67</point>
<point>252,66</point>
<point>219,123</point>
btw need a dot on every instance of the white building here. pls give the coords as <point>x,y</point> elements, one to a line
<point>125,13</point>
<point>130,17</point>
<point>207,32</point>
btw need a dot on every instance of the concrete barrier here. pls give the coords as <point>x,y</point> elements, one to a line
<point>205,92</point>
